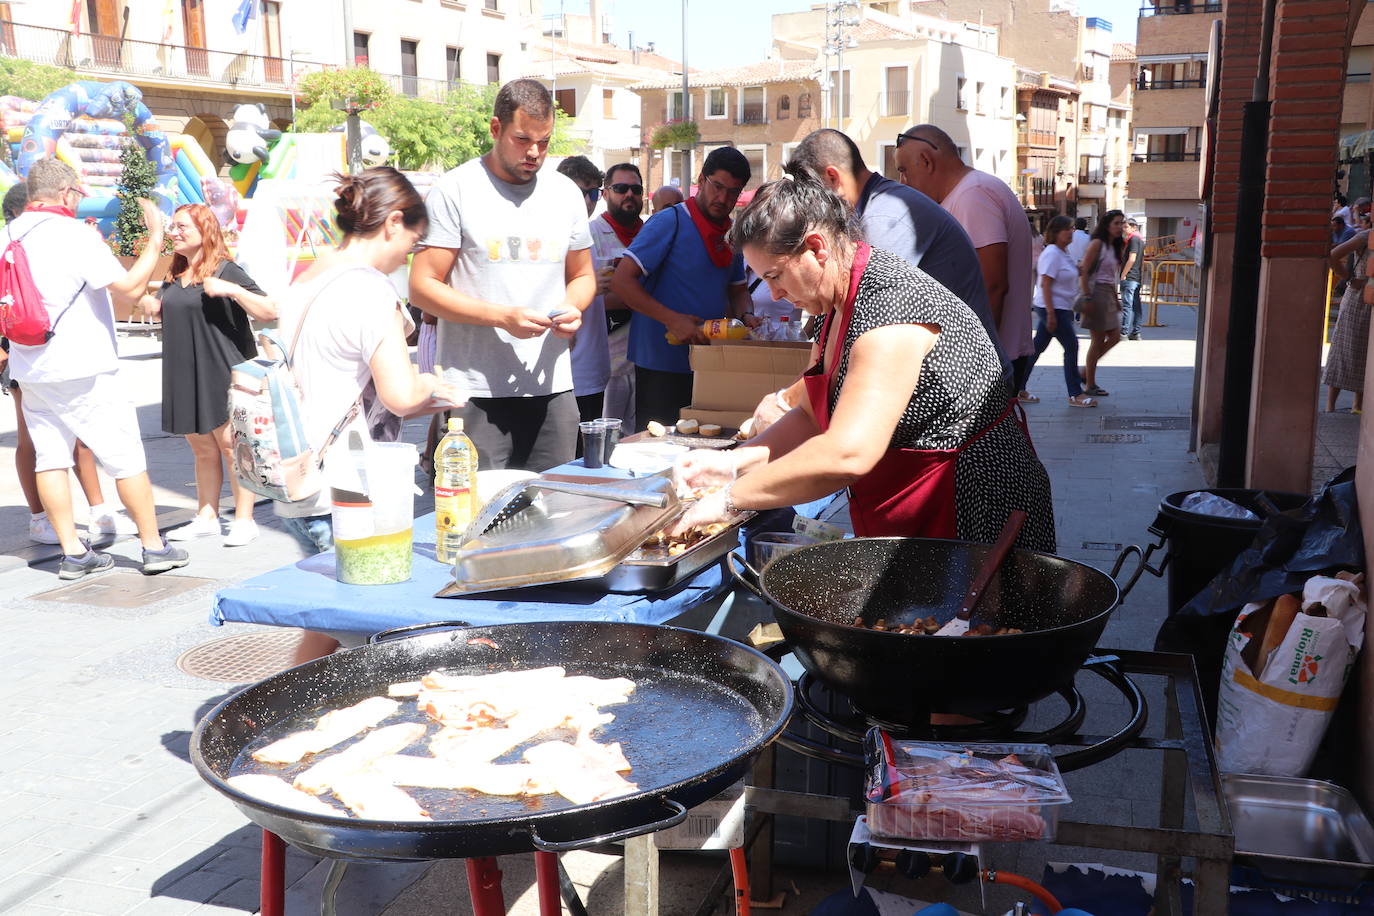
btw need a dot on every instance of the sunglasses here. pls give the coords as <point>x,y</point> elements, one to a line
<point>901,138</point>
<point>592,193</point>
<point>621,187</point>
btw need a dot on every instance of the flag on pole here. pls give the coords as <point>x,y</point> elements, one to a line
<point>248,9</point>
<point>76,18</point>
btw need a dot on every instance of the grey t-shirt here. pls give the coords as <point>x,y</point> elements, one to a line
<point>909,224</point>
<point>511,240</point>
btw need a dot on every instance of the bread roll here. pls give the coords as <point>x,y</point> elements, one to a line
<point>1286,608</point>
<point>656,428</point>
<point>687,427</point>
<point>709,429</point>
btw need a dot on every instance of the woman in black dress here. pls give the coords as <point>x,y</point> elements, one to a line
<point>206,302</point>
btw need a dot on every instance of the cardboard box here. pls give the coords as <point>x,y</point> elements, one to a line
<point>732,376</point>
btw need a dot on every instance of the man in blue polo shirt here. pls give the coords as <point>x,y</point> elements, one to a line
<point>679,272</point>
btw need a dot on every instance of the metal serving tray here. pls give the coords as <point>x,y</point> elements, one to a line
<point>652,570</point>
<point>562,537</point>
<point>1302,831</point>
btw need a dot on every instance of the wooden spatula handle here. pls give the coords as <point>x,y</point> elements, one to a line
<point>991,563</point>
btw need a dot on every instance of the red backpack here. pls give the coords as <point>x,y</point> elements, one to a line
<point>24,315</point>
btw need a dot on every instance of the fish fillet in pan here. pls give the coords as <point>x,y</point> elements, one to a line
<point>438,773</point>
<point>372,796</point>
<point>277,791</point>
<point>333,728</point>
<point>578,775</point>
<point>324,775</point>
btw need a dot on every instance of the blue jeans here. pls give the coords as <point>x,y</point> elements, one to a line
<point>314,532</point>
<point>1066,334</point>
<point>1130,307</point>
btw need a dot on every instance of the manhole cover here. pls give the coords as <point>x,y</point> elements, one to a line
<point>243,658</point>
<point>123,590</point>
<point>1115,438</point>
<point>1145,423</point>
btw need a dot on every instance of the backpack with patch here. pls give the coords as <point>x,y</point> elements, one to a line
<point>24,315</point>
<point>272,456</point>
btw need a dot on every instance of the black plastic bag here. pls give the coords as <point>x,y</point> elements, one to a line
<point>1291,547</point>
<point>1321,536</point>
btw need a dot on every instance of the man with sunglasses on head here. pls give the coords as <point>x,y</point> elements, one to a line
<point>995,221</point>
<point>613,232</point>
<point>507,270</point>
<point>678,272</point>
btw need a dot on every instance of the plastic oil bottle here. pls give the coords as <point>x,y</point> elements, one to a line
<point>455,490</point>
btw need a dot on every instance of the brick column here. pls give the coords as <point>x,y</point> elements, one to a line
<point>1240,38</point>
<point>1307,80</point>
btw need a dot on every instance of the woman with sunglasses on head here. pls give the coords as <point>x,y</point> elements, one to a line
<point>907,405</point>
<point>206,302</point>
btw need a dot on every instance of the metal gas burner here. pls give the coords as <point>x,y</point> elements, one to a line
<point>999,727</point>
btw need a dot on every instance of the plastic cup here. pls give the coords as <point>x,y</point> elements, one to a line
<point>593,443</point>
<point>766,547</point>
<point>612,427</point>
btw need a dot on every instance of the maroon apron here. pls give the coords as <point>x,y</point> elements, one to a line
<point>909,492</point>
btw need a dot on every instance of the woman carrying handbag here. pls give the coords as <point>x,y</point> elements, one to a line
<point>1098,306</point>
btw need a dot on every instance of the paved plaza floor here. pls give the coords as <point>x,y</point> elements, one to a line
<point>103,812</point>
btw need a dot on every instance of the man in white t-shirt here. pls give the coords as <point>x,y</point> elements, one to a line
<point>71,383</point>
<point>1080,241</point>
<point>995,221</point>
<point>507,270</point>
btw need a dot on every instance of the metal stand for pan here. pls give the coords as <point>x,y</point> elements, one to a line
<point>484,883</point>
<point>1187,768</point>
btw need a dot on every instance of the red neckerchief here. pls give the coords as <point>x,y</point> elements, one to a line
<point>50,208</point>
<point>712,235</point>
<point>626,234</point>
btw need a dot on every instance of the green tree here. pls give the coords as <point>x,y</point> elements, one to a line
<point>29,80</point>
<point>424,134</point>
<point>138,179</point>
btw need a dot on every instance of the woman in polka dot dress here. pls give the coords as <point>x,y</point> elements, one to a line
<point>906,404</point>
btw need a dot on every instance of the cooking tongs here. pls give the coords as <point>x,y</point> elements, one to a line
<point>514,498</point>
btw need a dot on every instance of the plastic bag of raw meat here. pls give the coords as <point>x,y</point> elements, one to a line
<point>918,790</point>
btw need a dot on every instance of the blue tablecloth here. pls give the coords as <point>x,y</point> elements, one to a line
<point>306,595</point>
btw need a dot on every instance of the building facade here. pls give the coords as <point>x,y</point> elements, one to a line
<point>194,64</point>
<point>1168,113</point>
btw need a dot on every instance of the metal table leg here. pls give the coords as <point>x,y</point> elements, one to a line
<point>272,891</point>
<point>547,881</point>
<point>484,886</point>
<point>760,851</point>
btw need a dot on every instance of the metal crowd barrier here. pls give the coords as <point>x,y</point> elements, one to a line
<point>1172,282</point>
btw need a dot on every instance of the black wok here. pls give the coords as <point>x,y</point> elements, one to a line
<point>702,707</point>
<point>816,593</point>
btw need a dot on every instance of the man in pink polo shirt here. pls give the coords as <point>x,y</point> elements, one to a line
<point>995,221</point>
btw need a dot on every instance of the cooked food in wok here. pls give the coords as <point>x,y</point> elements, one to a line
<point>453,734</point>
<point>929,626</point>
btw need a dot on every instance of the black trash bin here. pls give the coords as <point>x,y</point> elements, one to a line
<point>1200,546</point>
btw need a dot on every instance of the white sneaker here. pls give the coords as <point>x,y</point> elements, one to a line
<point>241,531</point>
<point>41,531</point>
<point>198,527</point>
<point>116,523</point>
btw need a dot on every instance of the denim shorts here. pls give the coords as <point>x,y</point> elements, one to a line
<point>314,532</point>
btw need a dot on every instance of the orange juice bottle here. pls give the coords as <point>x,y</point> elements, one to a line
<point>718,329</point>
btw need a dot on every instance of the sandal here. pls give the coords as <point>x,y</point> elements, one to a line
<point>1096,391</point>
<point>1025,397</point>
<point>1082,400</point>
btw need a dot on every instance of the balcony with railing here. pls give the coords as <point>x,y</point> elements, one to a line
<point>1092,177</point>
<point>1180,7</point>
<point>1168,155</point>
<point>1038,193</point>
<point>1144,84</point>
<point>1042,138</point>
<point>898,104</point>
<point>753,113</point>
<point>111,56</point>
<point>420,87</point>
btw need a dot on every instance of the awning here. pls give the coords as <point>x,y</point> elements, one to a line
<point>1354,146</point>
